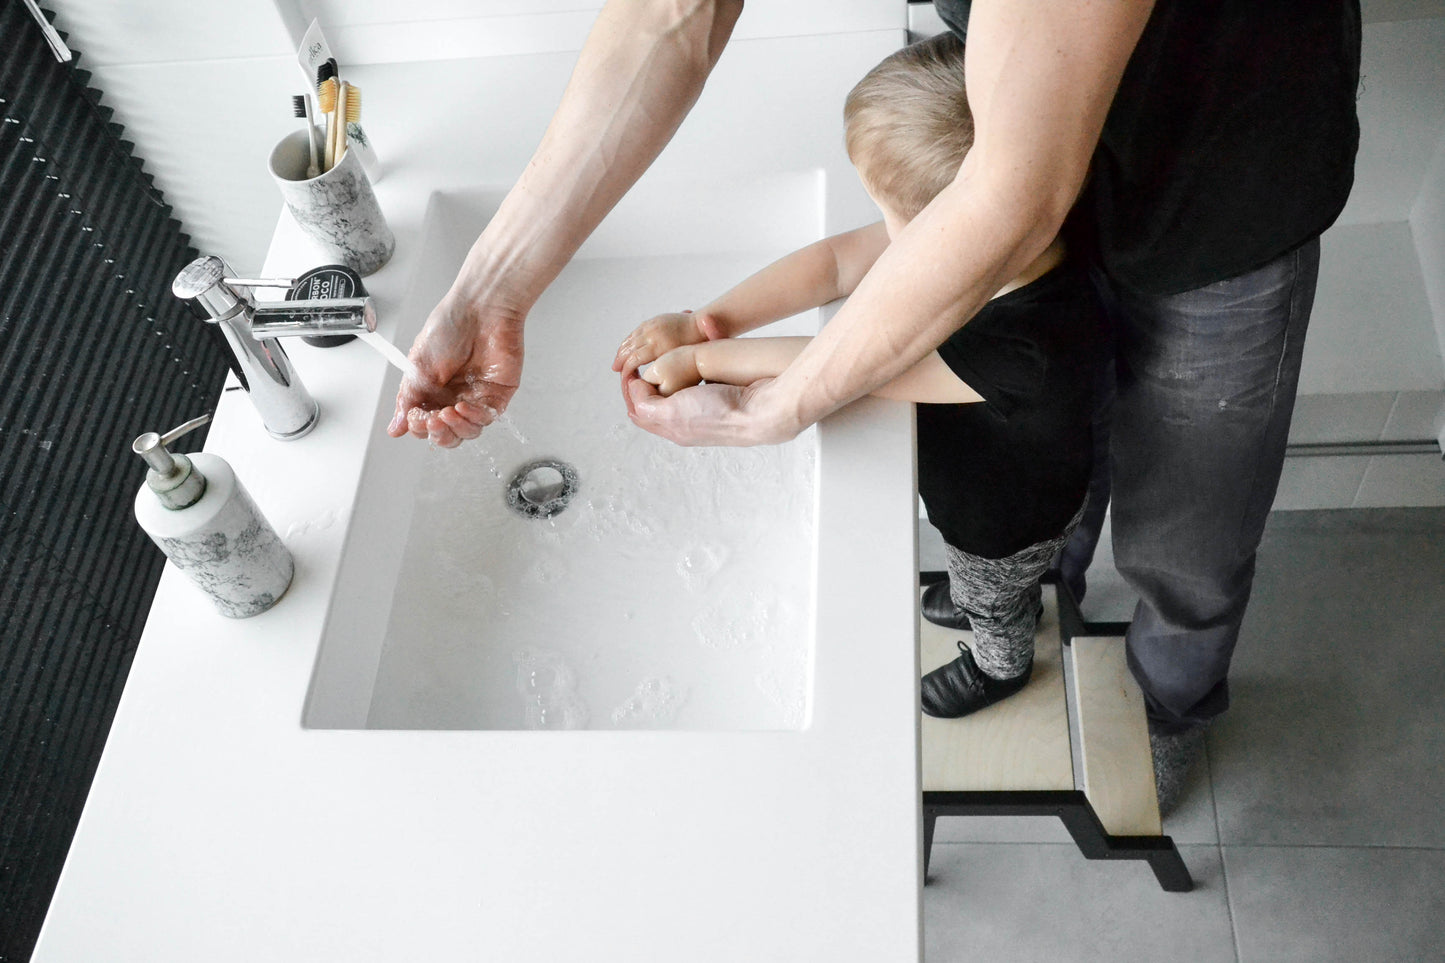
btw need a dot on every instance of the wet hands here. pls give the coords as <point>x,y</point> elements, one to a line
<point>655,337</point>
<point>675,370</point>
<point>669,399</point>
<point>709,414</point>
<point>471,359</point>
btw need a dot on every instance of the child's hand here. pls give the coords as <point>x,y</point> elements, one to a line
<point>654,338</point>
<point>674,371</point>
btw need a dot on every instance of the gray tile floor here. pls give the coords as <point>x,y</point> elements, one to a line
<point>1315,829</point>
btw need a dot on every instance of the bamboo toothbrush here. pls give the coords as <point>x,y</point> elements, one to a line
<point>301,107</point>
<point>348,112</point>
<point>326,97</point>
<point>328,70</point>
<point>353,105</point>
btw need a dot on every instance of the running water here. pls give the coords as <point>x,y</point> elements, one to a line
<point>391,353</point>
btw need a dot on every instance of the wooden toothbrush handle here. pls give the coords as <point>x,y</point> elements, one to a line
<point>343,96</point>
<point>330,157</point>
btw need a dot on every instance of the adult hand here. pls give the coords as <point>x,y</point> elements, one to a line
<point>708,414</point>
<point>655,337</point>
<point>470,356</point>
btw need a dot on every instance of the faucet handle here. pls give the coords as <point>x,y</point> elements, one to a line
<point>207,285</point>
<point>203,285</point>
<point>287,283</point>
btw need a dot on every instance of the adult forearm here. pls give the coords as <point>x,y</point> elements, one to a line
<point>641,70</point>
<point>937,273</point>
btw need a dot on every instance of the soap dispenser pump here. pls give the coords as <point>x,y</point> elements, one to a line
<point>198,512</point>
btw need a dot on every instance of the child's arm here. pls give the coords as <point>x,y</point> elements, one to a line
<point>808,278</point>
<point>743,361</point>
<point>812,276</point>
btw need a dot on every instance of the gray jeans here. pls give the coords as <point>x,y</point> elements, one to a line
<point>1192,447</point>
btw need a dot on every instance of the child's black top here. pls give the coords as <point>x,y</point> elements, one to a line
<point>1000,475</point>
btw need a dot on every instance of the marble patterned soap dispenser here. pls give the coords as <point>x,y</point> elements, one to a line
<point>198,512</point>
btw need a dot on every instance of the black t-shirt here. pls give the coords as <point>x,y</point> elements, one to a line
<point>1000,475</point>
<point>1231,139</point>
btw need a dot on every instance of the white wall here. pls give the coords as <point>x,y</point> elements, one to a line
<point>1427,226</point>
<point>1402,114</point>
<point>370,31</point>
<point>1374,328</point>
<point>1373,368</point>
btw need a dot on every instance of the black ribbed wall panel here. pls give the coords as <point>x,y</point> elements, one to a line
<point>94,350</point>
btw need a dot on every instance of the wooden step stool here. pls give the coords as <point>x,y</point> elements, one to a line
<point>1015,757</point>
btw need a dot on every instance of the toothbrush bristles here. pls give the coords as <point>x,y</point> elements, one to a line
<point>353,104</point>
<point>298,104</point>
<point>326,95</point>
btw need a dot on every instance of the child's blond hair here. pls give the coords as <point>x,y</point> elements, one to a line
<point>908,125</point>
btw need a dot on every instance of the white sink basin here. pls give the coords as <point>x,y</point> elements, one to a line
<point>676,587</point>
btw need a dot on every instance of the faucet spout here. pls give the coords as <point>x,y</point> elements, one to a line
<point>334,316</point>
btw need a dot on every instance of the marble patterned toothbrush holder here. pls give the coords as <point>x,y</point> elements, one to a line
<point>336,209</point>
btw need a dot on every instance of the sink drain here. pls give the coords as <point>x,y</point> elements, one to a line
<point>541,489</point>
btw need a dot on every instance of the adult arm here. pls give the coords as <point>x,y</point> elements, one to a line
<point>639,73</point>
<point>1041,77</point>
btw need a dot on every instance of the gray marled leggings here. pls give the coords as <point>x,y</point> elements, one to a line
<point>1002,597</point>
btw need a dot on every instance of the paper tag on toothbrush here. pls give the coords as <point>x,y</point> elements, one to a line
<point>313,52</point>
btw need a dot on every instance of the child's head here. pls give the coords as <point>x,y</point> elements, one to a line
<point>908,125</point>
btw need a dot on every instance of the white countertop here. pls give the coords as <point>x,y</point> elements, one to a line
<point>218,828</point>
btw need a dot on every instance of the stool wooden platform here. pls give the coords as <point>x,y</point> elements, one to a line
<point>1015,758</point>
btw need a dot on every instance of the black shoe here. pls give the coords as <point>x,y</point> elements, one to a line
<point>961,687</point>
<point>1076,586</point>
<point>939,609</point>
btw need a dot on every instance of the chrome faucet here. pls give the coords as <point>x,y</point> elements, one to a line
<point>252,329</point>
